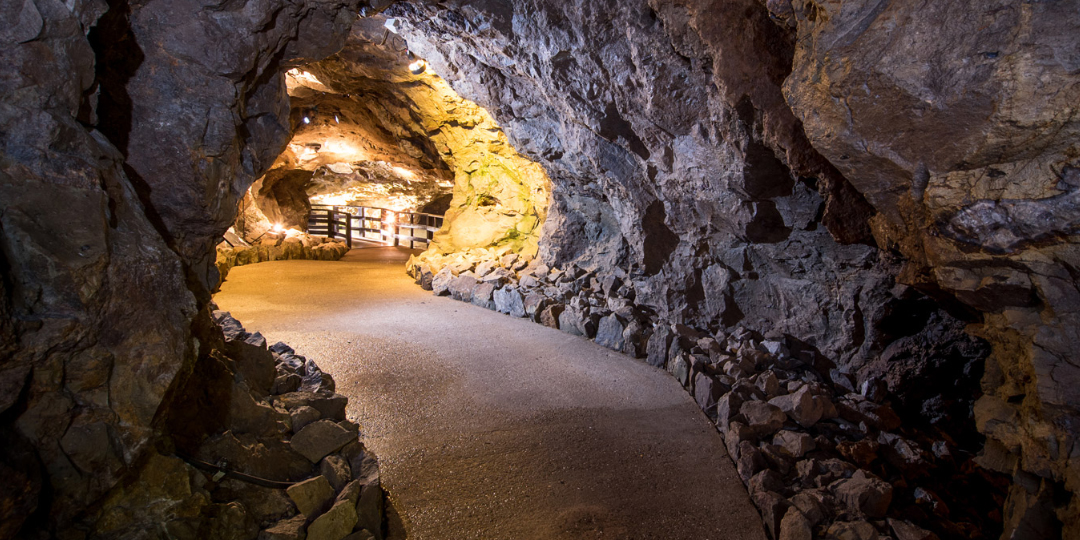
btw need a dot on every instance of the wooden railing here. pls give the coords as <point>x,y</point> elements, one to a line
<point>379,226</point>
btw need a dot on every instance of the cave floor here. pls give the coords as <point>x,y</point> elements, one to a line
<point>491,427</point>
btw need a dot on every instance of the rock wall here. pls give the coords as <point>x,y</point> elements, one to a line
<point>500,197</point>
<point>856,176</point>
<point>129,132</point>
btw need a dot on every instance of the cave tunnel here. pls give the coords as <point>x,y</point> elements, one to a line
<point>537,269</point>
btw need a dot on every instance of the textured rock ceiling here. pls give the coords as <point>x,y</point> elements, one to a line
<point>377,132</point>
<point>876,180</point>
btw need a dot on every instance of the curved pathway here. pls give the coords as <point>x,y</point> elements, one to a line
<point>490,427</point>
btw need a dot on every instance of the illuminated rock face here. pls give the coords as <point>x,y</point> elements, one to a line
<point>379,130</point>
<point>831,171</point>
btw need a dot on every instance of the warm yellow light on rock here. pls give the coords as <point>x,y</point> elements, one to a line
<point>404,173</point>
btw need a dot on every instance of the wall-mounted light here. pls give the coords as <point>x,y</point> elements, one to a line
<point>417,67</point>
<point>307,120</point>
<point>336,119</point>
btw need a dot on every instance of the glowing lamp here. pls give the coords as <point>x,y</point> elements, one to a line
<point>307,120</point>
<point>279,228</point>
<point>417,67</point>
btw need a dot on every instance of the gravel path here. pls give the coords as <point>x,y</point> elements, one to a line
<point>490,427</point>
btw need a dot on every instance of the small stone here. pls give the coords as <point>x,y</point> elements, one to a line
<point>482,295</point>
<point>727,408</point>
<point>335,524</point>
<point>767,480</point>
<point>330,406</point>
<point>800,406</point>
<point>864,494</point>
<point>812,505</point>
<point>461,287</point>
<point>551,314</point>
<point>509,301</point>
<point>361,535</point>
<point>286,529</point>
<point>680,368</point>
<point>763,418</point>
<point>795,526</point>
<point>852,530</point>
<point>797,444</point>
<point>351,492</point>
<point>336,470</point>
<point>905,530</point>
<point>302,416</point>
<point>311,496</point>
<point>499,277</point>
<point>609,333</point>
<point>749,462</point>
<point>706,392</point>
<point>440,284</point>
<point>769,384</point>
<point>320,438</point>
<point>369,508</point>
<point>772,507</point>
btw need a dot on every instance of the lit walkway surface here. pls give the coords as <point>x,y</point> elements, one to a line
<point>490,427</point>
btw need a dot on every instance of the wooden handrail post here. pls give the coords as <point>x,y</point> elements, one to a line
<point>348,230</point>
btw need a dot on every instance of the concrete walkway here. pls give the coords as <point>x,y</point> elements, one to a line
<point>495,428</point>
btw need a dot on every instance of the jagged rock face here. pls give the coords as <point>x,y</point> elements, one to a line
<point>499,198</point>
<point>674,136</point>
<point>108,233</point>
<point>674,160</point>
<point>976,180</point>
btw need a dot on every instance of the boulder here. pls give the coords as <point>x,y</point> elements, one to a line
<point>320,438</point>
<point>551,314</point>
<point>330,406</point>
<point>864,494</point>
<point>312,496</point>
<point>293,528</point>
<point>795,526</point>
<point>461,287</point>
<point>797,444</point>
<point>905,530</point>
<point>509,301</point>
<point>706,392</point>
<point>335,524</point>
<point>609,333</point>
<point>482,295</point>
<point>440,284</point>
<point>763,418</point>
<point>852,530</point>
<point>801,406</point>
<point>336,470</point>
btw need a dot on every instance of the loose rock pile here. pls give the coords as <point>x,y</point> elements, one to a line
<point>279,248</point>
<point>263,451</point>
<point>821,458</point>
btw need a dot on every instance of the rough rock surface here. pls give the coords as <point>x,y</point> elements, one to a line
<point>852,175</point>
<point>129,132</point>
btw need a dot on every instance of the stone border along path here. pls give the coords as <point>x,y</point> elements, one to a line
<point>820,458</point>
<point>489,427</point>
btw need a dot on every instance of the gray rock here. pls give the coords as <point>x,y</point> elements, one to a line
<point>610,333</point>
<point>551,315</point>
<point>335,524</point>
<point>336,470</point>
<point>795,526</point>
<point>320,438</point>
<point>302,416</point>
<point>294,528</point>
<point>803,407</point>
<point>508,300</point>
<point>659,344</point>
<point>905,530</point>
<point>440,284</point>
<point>763,418</point>
<point>461,287</point>
<point>482,295</point>
<point>369,509</point>
<point>706,392</point>
<point>864,494</point>
<point>852,530</point>
<point>311,497</point>
<point>797,444</point>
